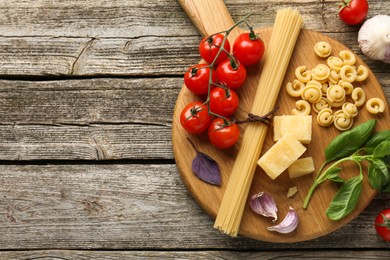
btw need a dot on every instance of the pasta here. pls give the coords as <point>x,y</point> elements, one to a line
<point>362,73</point>
<point>348,73</point>
<point>311,94</point>
<point>302,74</point>
<point>330,86</point>
<point>323,49</point>
<point>322,104</point>
<point>302,108</point>
<point>325,117</point>
<point>285,32</point>
<point>359,96</point>
<point>348,57</point>
<point>341,121</point>
<point>375,105</point>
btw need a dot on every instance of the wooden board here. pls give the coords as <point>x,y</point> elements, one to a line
<point>313,221</point>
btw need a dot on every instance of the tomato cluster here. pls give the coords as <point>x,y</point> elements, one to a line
<point>219,78</point>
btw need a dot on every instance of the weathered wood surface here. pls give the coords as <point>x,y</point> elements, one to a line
<point>130,206</point>
<point>209,255</point>
<point>97,80</point>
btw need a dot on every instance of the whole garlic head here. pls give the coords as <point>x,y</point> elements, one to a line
<point>374,38</point>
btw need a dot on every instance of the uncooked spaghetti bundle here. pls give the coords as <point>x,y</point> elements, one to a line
<point>288,23</point>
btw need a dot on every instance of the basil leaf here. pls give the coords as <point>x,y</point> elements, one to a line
<point>206,169</point>
<point>346,198</point>
<point>349,141</point>
<point>382,150</point>
<point>378,175</point>
<point>376,139</point>
<point>333,175</point>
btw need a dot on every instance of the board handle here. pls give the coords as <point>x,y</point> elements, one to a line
<point>208,16</point>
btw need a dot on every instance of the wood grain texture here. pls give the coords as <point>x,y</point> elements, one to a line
<point>86,38</point>
<point>209,255</point>
<point>131,206</point>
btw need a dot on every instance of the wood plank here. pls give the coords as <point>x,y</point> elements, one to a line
<point>92,119</point>
<point>207,254</point>
<point>34,42</point>
<point>127,206</point>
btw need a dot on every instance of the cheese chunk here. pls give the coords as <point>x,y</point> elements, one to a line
<point>301,167</point>
<point>298,125</point>
<point>281,155</point>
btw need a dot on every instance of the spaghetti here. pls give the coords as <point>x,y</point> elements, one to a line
<point>285,32</point>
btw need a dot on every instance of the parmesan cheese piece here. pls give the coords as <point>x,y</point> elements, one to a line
<point>297,125</point>
<point>281,155</point>
<point>301,167</point>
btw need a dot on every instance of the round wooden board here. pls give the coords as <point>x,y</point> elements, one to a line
<point>313,221</point>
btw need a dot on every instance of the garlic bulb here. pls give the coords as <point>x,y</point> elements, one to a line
<point>374,38</point>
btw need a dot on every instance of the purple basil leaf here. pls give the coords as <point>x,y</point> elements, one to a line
<point>206,169</point>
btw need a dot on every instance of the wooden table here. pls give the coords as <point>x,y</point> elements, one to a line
<point>87,93</point>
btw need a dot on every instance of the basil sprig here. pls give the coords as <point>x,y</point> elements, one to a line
<point>356,145</point>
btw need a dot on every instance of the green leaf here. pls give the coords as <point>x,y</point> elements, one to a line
<point>333,175</point>
<point>378,138</point>
<point>382,150</point>
<point>378,175</point>
<point>345,199</point>
<point>349,141</point>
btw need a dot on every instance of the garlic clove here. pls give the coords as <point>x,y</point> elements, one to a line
<point>289,223</point>
<point>263,204</point>
<point>374,38</point>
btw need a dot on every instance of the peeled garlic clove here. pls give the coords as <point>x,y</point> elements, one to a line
<point>263,204</point>
<point>374,38</point>
<point>289,223</point>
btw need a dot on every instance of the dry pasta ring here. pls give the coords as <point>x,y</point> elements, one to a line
<point>314,83</point>
<point>294,89</point>
<point>362,73</point>
<point>348,57</point>
<point>334,77</point>
<point>375,105</point>
<point>359,96</point>
<point>302,74</point>
<point>325,117</point>
<point>347,86</point>
<point>348,73</point>
<point>335,93</point>
<point>311,94</point>
<point>341,121</point>
<point>337,103</point>
<point>349,110</point>
<point>302,108</point>
<point>335,63</point>
<point>320,72</point>
<point>322,49</point>
<point>322,104</point>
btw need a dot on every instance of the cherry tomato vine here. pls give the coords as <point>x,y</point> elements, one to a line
<point>223,73</point>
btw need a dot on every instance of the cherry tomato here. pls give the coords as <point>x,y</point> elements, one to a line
<point>248,48</point>
<point>231,73</point>
<point>195,118</point>
<point>197,77</point>
<point>209,47</point>
<point>223,134</point>
<point>382,224</point>
<point>223,102</point>
<point>353,12</point>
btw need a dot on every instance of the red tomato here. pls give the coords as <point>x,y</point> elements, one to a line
<point>197,77</point>
<point>248,48</point>
<point>231,75</point>
<point>353,12</point>
<point>223,102</point>
<point>209,47</point>
<point>382,224</point>
<point>195,118</point>
<point>223,135</point>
